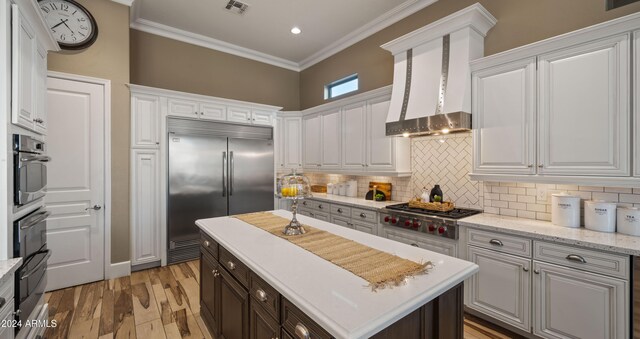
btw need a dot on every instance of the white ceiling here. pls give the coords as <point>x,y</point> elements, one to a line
<point>263,31</point>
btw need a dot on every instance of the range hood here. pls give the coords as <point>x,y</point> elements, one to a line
<point>431,78</point>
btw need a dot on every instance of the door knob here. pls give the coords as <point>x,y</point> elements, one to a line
<point>94,207</point>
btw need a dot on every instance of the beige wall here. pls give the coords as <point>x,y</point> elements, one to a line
<point>108,58</point>
<point>165,63</point>
<point>520,22</point>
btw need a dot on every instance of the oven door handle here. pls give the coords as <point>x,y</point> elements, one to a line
<point>37,218</point>
<point>42,262</point>
<point>35,158</point>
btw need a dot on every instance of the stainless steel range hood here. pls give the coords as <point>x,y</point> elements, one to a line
<point>431,79</point>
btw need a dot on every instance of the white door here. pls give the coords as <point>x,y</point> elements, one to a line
<point>354,147</point>
<point>502,287</point>
<point>381,148</point>
<point>311,141</point>
<point>504,106</point>
<point>292,142</point>
<point>331,140</point>
<point>76,182</point>
<point>570,303</point>
<point>584,109</point>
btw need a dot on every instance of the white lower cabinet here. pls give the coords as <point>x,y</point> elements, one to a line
<point>338,214</point>
<point>570,303</point>
<point>502,287</point>
<point>145,204</point>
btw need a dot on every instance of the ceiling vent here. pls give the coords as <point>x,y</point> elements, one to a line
<point>236,7</point>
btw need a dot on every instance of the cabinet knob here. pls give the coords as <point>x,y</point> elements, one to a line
<point>261,295</point>
<point>540,166</point>
<point>302,332</point>
<point>206,243</point>
<point>320,206</point>
<point>339,210</point>
<point>536,271</point>
<point>231,265</point>
<point>157,142</point>
<point>530,165</point>
<point>362,215</point>
<point>216,273</point>
<point>362,165</point>
<point>525,269</point>
<point>304,203</point>
<point>196,113</point>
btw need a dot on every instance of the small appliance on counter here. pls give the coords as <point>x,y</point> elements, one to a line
<point>600,216</point>
<point>294,187</point>
<point>629,221</point>
<point>565,210</point>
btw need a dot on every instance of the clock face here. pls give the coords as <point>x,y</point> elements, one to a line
<point>71,24</point>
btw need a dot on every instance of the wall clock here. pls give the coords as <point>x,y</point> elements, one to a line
<point>71,24</point>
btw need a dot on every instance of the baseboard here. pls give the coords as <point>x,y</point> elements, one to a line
<point>119,269</point>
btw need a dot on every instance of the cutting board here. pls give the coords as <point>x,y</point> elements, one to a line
<point>385,187</point>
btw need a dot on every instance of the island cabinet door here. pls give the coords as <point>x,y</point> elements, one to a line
<point>210,292</point>
<point>234,308</point>
<point>262,325</point>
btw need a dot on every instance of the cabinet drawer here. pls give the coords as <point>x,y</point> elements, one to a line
<point>365,227</point>
<point>341,210</point>
<point>359,214</point>
<point>265,295</point>
<point>207,243</point>
<point>317,205</point>
<point>584,259</point>
<point>305,211</point>
<point>234,266</point>
<point>345,222</point>
<point>499,242</point>
<point>293,318</point>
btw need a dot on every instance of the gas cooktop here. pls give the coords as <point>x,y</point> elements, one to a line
<point>434,223</point>
<point>457,213</point>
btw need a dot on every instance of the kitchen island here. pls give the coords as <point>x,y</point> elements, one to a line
<point>257,285</point>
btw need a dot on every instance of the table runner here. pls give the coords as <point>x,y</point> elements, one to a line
<point>380,269</point>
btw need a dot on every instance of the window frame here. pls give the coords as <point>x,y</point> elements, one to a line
<point>329,87</point>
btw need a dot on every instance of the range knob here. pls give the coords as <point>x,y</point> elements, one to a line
<point>407,223</point>
<point>431,228</point>
<point>394,220</point>
<point>386,219</point>
<point>441,229</point>
<point>416,224</point>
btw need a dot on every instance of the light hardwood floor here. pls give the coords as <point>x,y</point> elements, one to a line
<point>157,303</point>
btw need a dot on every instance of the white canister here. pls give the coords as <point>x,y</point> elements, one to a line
<point>629,221</point>
<point>565,210</point>
<point>329,188</point>
<point>343,188</point>
<point>352,188</point>
<point>600,216</point>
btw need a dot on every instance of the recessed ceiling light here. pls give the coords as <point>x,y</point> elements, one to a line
<point>296,30</point>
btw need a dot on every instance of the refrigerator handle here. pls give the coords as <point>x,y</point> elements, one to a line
<point>224,174</point>
<point>231,174</point>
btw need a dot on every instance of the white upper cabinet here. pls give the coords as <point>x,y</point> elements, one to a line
<point>503,105</point>
<point>381,149</point>
<point>293,142</point>
<point>331,139</point>
<point>262,117</point>
<point>40,121</point>
<point>239,114</point>
<point>183,108</point>
<point>584,109</point>
<point>354,123</point>
<point>145,121</point>
<point>24,57</point>
<point>636,102</point>
<point>213,111</point>
<point>311,126</point>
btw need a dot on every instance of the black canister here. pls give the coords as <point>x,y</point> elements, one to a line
<point>436,191</point>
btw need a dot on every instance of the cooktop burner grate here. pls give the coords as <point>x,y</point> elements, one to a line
<point>457,213</point>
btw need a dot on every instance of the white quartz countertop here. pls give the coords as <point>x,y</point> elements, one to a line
<point>339,301</point>
<point>544,230</point>
<point>9,266</point>
<point>353,201</point>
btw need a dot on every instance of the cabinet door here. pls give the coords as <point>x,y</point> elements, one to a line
<point>145,204</point>
<point>311,141</point>
<point>210,291</point>
<point>381,149</point>
<point>502,287</point>
<point>278,137</point>
<point>569,303</point>
<point>239,114</point>
<point>234,308</point>
<point>293,142</point>
<point>183,108</point>
<point>40,121</point>
<point>331,140</point>
<point>354,122</point>
<point>503,104</point>
<point>584,109</point>
<point>636,102</point>
<point>212,111</point>
<point>24,52</point>
<point>365,227</point>
<point>262,326</point>
<point>262,117</point>
<point>145,121</point>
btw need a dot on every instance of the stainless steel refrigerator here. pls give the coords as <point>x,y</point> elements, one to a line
<point>214,169</point>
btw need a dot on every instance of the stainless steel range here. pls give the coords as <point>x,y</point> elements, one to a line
<point>440,224</point>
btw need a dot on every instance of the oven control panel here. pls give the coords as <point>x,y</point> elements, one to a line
<point>434,226</point>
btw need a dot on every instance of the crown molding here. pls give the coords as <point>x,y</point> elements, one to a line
<point>128,3</point>
<point>387,19</point>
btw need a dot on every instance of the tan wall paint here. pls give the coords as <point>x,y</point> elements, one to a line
<point>108,58</point>
<point>165,63</point>
<point>520,22</point>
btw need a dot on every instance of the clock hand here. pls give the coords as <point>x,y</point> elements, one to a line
<point>65,23</point>
<point>61,22</point>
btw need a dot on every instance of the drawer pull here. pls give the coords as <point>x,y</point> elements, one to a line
<point>536,271</point>
<point>206,243</point>
<point>215,273</point>
<point>320,206</point>
<point>525,269</point>
<point>340,210</point>
<point>576,258</point>
<point>261,295</point>
<point>362,215</point>
<point>304,203</point>
<point>415,245</point>
<point>302,332</point>
<point>496,242</point>
<point>231,265</point>
<point>3,301</point>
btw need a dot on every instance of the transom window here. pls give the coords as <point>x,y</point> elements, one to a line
<point>341,87</point>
